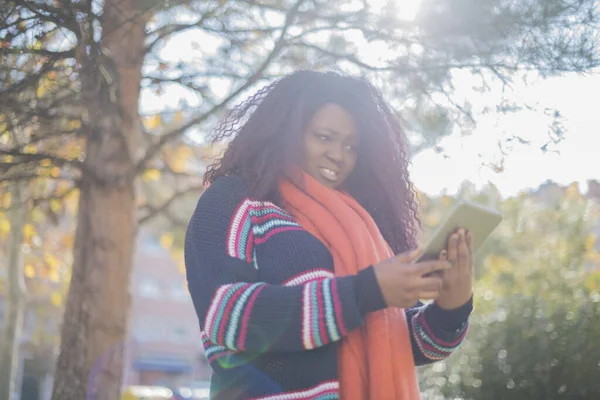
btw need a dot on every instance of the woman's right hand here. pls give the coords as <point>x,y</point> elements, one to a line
<point>403,283</point>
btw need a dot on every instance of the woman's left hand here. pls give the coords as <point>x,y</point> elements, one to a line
<point>457,281</point>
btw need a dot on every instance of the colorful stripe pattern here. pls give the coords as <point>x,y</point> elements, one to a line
<point>215,352</point>
<point>328,390</point>
<point>322,321</point>
<point>227,318</point>
<point>254,222</point>
<point>308,276</point>
<point>431,346</point>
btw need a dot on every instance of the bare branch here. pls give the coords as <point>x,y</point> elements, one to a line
<point>279,45</point>
<point>166,31</point>
<point>154,211</point>
<point>30,80</point>
<point>55,55</point>
<point>27,157</point>
<point>46,12</point>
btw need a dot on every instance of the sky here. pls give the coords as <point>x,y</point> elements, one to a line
<point>575,159</point>
<point>526,166</point>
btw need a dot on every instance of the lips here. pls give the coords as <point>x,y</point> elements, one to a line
<point>329,174</point>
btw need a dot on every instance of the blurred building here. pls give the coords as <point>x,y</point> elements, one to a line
<point>164,345</point>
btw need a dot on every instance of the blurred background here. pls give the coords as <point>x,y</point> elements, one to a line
<point>105,113</point>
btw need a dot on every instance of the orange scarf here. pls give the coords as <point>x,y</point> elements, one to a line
<point>375,361</point>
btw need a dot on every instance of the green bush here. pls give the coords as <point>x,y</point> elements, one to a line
<point>535,333</point>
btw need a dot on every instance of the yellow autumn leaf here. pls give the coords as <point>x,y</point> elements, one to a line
<point>4,227</point>
<point>28,231</point>
<point>45,163</point>
<point>151,175</point>
<point>53,275</point>
<point>55,205</point>
<point>181,267</point>
<point>30,149</point>
<point>74,124</point>
<point>55,172</point>
<point>56,299</point>
<point>67,241</point>
<point>6,200</point>
<point>178,116</point>
<point>153,122</point>
<point>590,241</point>
<point>29,271</point>
<point>37,215</point>
<point>51,261</point>
<point>40,91</point>
<point>166,240</point>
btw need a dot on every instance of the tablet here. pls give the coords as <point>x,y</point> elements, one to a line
<point>477,219</point>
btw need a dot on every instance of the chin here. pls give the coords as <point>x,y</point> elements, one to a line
<point>330,184</point>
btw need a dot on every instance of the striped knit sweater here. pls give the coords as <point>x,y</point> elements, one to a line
<point>271,311</point>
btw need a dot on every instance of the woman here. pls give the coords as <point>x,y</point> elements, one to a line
<point>290,251</point>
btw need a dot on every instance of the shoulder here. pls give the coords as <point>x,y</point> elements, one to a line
<point>217,204</point>
<point>226,215</point>
<point>224,190</point>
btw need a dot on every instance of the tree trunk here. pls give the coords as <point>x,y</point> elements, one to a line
<point>90,362</point>
<point>15,297</point>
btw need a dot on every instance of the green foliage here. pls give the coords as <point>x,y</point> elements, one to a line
<point>534,334</point>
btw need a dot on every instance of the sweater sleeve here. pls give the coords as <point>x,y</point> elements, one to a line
<point>239,313</point>
<point>434,332</point>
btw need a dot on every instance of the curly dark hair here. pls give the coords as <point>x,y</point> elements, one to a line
<point>266,134</point>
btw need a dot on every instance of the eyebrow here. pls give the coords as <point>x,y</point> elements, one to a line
<point>334,132</point>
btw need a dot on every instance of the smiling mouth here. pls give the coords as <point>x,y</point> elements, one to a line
<point>329,174</point>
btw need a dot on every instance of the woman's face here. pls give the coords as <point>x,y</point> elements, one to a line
<point>330,146</point>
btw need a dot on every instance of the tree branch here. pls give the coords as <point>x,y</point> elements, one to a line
<point>54,55</point>
<point>28,80</point>
<point>279,44</point>
<point>163,208</point>
<point>59,161</point>
<point>55,15</point>
<point>169,30</point>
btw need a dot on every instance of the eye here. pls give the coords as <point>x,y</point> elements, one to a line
<point>323,137</point>
<point>351,147</point>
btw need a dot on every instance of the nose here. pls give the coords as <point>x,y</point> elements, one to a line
<point>335,153</point>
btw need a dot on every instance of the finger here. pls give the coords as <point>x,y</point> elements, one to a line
<point>409,256</point>
<point>463,250</point>
<point>470,247</point>
<point>427,267</point>
<point>470,241</point>
<point>443,255</point>
<point>453,248</point>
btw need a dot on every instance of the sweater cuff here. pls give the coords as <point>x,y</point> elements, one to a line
<point>368,292</point>
<point>450,320</point>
